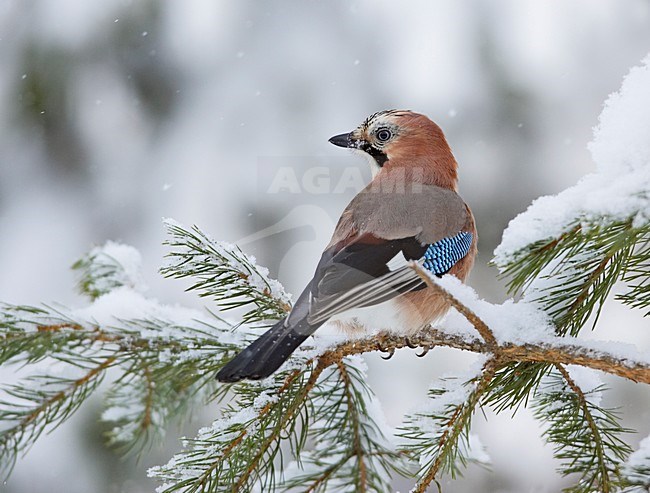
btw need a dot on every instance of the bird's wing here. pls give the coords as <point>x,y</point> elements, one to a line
<point>358,267</point>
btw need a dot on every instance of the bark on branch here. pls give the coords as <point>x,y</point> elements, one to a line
<point>561,352</point>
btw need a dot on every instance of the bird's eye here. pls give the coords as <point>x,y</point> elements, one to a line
<point>384,134</point>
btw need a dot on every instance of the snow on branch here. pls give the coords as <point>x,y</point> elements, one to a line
<point>352,446</point>
<point>108,267</point>
<point>636,469</point>
<point>619,189</point>
<point>586,436</point>
<point>40,402</point>
<point>166,355</point>
<point>566,253</point>
<point>239,449</point>
<point>437,434</point>
<point>223,272</point>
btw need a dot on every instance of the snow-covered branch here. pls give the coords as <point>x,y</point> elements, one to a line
<point>588,354</point>
<point>564,256</point>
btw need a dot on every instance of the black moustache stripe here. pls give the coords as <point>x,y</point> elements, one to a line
<point>378,155</point>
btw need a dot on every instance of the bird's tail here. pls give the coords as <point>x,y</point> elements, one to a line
<point>266,354</point>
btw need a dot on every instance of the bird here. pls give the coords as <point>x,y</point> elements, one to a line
<point>409,212</point>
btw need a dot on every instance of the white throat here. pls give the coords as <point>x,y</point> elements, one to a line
<point>374,167</point>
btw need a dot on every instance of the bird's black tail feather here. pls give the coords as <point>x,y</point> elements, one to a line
<point>266,354</point>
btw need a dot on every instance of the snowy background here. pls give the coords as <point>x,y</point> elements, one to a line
<point>118,113</point>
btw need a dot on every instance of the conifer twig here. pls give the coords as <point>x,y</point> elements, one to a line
<point>458,422</point>
<point>560,352</point>
<point>598,441</point>
<point>357,450</point>
<point>586,437</point>
<point>480,326</point>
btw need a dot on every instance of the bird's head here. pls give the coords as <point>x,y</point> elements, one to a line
<point>402,138</point>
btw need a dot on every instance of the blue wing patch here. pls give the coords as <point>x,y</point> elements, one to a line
<point>442,255</point>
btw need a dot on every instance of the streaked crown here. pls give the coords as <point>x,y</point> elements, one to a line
<point>402,138</point>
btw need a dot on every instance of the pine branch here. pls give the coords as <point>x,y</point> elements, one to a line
<point>41,403</point>
<point>108,267</point>
<point>637,275</point>
<point>502,386</point>
<point>144,399</point>
<point>165,368</point>
<point>224,273</point>
<point>586,436</point>
<point>570,276</point>
<point>351,451</point>
<point>165,364</point>
<point>161,380</point>
<point>438,436</point>
<point>169,345</point>
<point>562,352</point>
<point>513,384</point>
<point>586,261</point>
<point>239,449</point>
<point>29,334</point>
<point>426,339</point>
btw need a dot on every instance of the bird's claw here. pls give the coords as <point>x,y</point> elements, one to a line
<point>389,354</point>
<point>390,351</point>
<point>424,352</point>
<point>410,343</point>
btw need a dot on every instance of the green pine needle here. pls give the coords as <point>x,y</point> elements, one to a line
<point>223,272</point>
<point>587,261</point>
<point>586,436</point>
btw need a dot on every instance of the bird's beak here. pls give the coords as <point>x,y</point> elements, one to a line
<point>342,140</point>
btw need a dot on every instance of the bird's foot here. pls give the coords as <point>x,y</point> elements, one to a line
<point>425,350</point>
<point>388,351</point>
<point>410,343</point>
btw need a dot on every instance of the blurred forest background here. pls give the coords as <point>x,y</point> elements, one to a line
<point>117,113</point>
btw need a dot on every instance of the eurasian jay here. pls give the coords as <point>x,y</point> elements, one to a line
<point>410,211</point>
